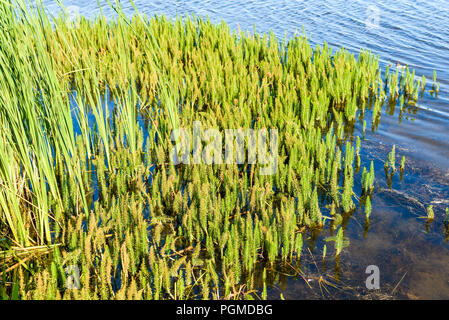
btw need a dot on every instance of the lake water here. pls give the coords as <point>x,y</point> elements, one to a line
<point>413,258</point>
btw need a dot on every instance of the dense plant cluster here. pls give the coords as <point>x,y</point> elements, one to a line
<point>87,109</point>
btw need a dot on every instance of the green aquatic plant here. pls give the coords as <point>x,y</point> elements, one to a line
<point>402,167</point>
<point>88,111</point>
<point>423,84</point>
<point>430,213</point>
<point>368,179</point>
<point>390,163</point>
<point>434,78</point>
<point>368,208</point>
<point>324,252</point>
<point>340,242</point>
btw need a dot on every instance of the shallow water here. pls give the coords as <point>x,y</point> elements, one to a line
<point>413,259</point>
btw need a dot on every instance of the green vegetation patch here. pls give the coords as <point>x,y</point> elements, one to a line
<point>87,109</point>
